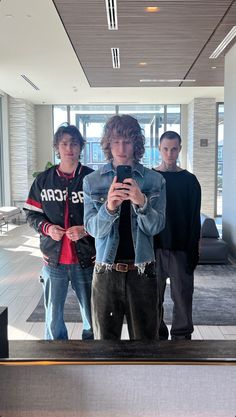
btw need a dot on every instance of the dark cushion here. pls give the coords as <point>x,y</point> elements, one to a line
<point>209,228</point>
<point>213,249</point>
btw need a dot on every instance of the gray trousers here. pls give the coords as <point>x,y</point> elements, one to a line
<point>118,294</point>
<point>172,264</point>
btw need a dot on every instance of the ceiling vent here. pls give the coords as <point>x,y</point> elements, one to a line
<point>115,52</point>
<point>30,82</point>
<point>112,20</point>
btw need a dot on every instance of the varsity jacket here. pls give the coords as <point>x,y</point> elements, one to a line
<point>46,204</point>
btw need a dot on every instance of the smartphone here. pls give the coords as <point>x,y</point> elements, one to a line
<point>123,172</point>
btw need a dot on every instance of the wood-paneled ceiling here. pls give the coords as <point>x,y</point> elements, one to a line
<point>174,43</point>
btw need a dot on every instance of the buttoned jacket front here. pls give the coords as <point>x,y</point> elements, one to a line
<point>145,222</point>
<point>46,203</point>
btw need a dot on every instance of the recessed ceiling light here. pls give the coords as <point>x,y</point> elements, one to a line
<point>152,9</point>
<point>142,64</point>
<point>213,67</point>
<point>228,38</point>
<point>166,81</point>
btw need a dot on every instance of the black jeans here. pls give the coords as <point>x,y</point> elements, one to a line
<point>131,294</point>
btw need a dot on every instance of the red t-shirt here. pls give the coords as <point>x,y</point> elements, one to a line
<point>68,252</point>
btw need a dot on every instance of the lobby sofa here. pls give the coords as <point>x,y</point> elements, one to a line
<point>213,249</point>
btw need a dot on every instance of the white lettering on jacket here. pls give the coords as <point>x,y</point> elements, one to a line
<point>59,195</point>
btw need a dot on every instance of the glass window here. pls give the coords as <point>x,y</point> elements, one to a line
<point>173,118</point>
<point>90,120</point>
<point>97,153</point>
<point>151,119</point>
<point>60,115</point>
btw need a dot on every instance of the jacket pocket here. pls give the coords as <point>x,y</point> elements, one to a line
<point>99,198</point>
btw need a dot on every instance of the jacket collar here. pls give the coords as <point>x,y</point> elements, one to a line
<point>74,174</point>
<point>139,168</point>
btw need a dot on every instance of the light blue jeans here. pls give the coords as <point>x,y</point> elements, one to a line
<point>55,283</point>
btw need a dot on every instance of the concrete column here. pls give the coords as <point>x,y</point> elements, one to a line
<point>184,136</point>
<point>201,154</point>
<point>22,147</point>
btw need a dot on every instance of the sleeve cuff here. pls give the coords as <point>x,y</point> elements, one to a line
<point>141,210</point>
<point>45,228</point>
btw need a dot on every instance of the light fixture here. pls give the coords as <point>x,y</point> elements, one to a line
<point>112,20</point>
<point>152,9</point>
<point>213,67</point>
<point>228,38</point>
<point>30,82</point>
<point>142,64</point>
<point>115,53</point>
<point>166,81</point>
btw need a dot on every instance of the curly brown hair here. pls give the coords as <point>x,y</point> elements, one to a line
<point>125,126</point>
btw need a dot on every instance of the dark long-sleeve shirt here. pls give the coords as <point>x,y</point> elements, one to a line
<point>183,202</point>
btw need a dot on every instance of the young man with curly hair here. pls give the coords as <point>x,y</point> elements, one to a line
<point>123,217</point>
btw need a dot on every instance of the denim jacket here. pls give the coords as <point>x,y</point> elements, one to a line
<point>145,222</point>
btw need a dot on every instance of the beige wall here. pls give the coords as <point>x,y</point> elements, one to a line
<point>44,134</point>
<point>229,155</point>
<point>6,180</point>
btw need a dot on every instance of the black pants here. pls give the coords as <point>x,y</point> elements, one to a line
<point>172,264</point>
<point>118,294</point>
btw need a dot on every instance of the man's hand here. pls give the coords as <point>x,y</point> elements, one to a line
<point>116,195</point>
<point>133,192</point>
<point>75,233</point>
<point>56,232</point>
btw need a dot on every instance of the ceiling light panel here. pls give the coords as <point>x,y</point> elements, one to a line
<point>112,20</point>
<point>166,81</point>
<point>228,38</point>
<point>115,52</point>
